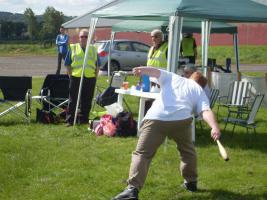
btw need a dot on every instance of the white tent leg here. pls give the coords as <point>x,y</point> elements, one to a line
<point>109,51</point>
<point>236,51</point>
<point>206,26</point>
<point>175,30</point>
<point>202,43</point>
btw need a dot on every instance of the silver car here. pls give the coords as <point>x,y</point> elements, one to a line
<point>125,54</point>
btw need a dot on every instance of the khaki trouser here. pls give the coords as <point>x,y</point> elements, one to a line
<point>153,134</point>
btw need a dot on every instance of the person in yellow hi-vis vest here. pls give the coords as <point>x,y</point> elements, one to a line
<point>74,64</point>
<point>157,57</point>
<point>189,48</point>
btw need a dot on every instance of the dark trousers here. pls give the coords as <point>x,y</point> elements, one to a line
<point>87,95</point>
<point>60,56</point>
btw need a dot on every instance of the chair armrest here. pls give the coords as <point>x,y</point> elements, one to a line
<point>241,112</point>
<point>44,92</point>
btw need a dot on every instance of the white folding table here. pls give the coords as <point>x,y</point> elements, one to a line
<point>143,97</point>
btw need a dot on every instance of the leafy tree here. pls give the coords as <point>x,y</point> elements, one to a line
<point>19,29</point>
<point>6,29</point>
<point>53,19</point>
<point>31,23</point>
<point>12,30</point>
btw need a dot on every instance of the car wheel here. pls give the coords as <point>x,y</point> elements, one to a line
<point>114,66</point>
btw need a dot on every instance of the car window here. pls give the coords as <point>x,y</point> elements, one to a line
<point>102,45</point>
<point>99,44</point>
<point>140,47</point>
<point>122,46</point>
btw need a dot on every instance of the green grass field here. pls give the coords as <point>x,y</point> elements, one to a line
<point>26,49</point>
<point>247,53</point>
<point>53,162</point>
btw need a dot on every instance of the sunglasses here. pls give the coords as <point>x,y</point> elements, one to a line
<point>83,36</point>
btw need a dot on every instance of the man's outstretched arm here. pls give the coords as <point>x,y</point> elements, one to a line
<point>209,117</point>
<point>150,71</point>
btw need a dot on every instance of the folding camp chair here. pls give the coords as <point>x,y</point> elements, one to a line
<point>214,93</point>
<point>16,91</point>
<point>238,95</point>
<point>245,116</point>
<point>54,94</point>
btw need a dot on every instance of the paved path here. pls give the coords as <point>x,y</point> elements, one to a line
<point>253,68</point>
<point>43,65</point>
<point>29,65</point>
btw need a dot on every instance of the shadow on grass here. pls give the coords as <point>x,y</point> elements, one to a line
<point>203,194</point>
<point>223,194</point>
<point>12,123</point>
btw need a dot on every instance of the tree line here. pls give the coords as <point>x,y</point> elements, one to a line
<point>32,29</point>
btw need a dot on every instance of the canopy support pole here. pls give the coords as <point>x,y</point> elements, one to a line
<point>175,25</point>
<point>236,51</point>
<point>206,26</point>
<point>109,51</point>
<point>89,41</point>
<point>202,43</point>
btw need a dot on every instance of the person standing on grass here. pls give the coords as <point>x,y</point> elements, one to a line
<point>189,47</point>
<point>62,41</point>
<point>74,64</point>
<point>170,116</point>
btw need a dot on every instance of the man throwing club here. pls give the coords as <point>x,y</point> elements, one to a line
<point>169,116</point>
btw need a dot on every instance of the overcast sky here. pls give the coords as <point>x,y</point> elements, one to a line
<point>68,7</point>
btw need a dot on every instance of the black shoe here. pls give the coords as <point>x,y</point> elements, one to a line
<point>191,186</point>
<point>130,193</point>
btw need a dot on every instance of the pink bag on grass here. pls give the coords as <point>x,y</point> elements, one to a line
<point>98,130</point>
<point>106,126</point>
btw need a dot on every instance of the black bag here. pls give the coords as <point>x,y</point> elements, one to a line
<point>125,124</point>
<point>107,97</point>
<point>45,117</point>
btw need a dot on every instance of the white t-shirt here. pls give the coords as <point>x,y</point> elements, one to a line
<point>179,98</point>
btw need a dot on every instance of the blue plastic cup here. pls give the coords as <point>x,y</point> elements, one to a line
<point>145,83</point>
